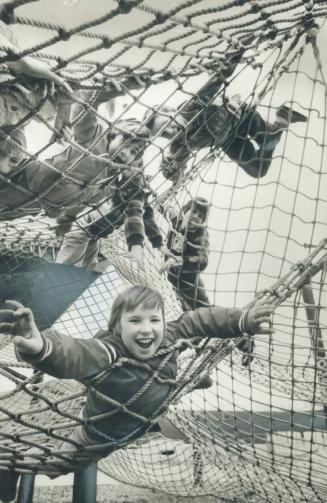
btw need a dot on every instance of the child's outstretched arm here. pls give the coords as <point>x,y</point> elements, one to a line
<point>54,353</point>
<point>224,323</point>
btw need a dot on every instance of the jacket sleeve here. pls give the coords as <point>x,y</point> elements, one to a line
<point>201,251</point>
<point>151,228</point>
<point>41,175</point>
<point>134,222</point>
<point>68,358</point>
<point>217,322</point>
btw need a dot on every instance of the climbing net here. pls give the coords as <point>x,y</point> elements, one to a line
<point>259,432</point>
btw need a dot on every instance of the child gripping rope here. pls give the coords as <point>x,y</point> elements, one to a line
<point>188,244</point>
<point>130,368</point>
<point>127,205</point>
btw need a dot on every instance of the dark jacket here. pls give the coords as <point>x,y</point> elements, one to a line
<point>209,125</point>
<point>129,207</point>
<point>195,244</point>
<point>114,388</point>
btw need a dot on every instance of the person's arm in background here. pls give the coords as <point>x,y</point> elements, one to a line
<point>85,129</point>
<point>135,228</point>
<point>27,65</point>
<point>151,228</point>
<point>199,260</point>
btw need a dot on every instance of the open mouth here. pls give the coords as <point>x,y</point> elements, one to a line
<point>144,343</point>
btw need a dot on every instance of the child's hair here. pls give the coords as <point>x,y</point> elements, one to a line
<point>151,114</point>
<point>131,298</point>
<point>130,129</point>
<point>200,203</point>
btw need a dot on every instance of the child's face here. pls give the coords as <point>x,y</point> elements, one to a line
<point>169,126</point>
<point>142,331</point>
<point>10,156</point>
<point>131,153</point>
<point>194,217</point>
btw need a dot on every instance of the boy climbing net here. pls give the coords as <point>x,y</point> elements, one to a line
<point>188,243</point>
<point>211,119</point>
<point>130,368</point>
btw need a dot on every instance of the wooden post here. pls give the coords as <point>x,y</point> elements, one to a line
<point>85,485</point>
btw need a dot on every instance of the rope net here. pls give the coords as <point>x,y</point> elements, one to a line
<point>234,97</point>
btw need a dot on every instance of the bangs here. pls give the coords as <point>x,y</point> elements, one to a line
<point>142,296</point>
<point>129,300</point>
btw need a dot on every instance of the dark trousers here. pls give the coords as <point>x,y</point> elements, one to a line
<point>240,147</point>
<point>190,288</point>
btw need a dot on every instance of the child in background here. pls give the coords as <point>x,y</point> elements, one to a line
<point>69,182</point>
<point>188,242</point>
<point>128,204</point>
<point>130,368</point>
<point>37,89</point>
<point>212,120</point>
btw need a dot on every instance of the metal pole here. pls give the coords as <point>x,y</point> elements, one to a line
<point>85,485</point>
<point>8,485</point>
<point>316,338</point>
<point>26,488</point>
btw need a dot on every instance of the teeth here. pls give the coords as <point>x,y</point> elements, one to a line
<point>144,343</point>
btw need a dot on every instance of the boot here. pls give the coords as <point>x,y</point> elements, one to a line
<point>287,115</point>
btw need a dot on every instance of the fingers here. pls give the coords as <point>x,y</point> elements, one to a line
<point>265,331</point>
<point>65,85</point>
<point>262,313</point>
<point>17,311</point>
<point>7,328</point>
<point>14,304</point>
<point>164,268</point>
<point>6,316</point>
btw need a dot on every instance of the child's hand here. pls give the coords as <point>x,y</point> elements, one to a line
<point>165,251</point>
<point>170,262</point>
<point>193,259</point>
<point>137,255</point>
<point>258,314</point>
<point>18,321</point>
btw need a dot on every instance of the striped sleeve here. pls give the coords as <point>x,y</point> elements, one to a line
<point>110,351</point>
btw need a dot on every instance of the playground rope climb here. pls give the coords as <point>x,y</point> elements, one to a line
<point>116,126</point>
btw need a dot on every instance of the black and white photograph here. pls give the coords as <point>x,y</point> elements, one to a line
<point>163,251</point>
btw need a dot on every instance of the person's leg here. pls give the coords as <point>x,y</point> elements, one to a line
<point>255,161</point>
<point>191,288</point>
<point>90,259</point>
<point>202,299</point>
<point>73,248</point>
<point>106,224</point>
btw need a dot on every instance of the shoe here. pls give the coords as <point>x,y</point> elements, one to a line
<point>205,382</point>
<point>289,115</point>
<point>168,452</point>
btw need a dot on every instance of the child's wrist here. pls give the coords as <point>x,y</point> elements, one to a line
<point>244,323</point>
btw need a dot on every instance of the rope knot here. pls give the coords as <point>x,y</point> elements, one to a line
<point>125,6</point>
<point>63,34</point>
<point>161,17</point>
<point>106,42</point>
